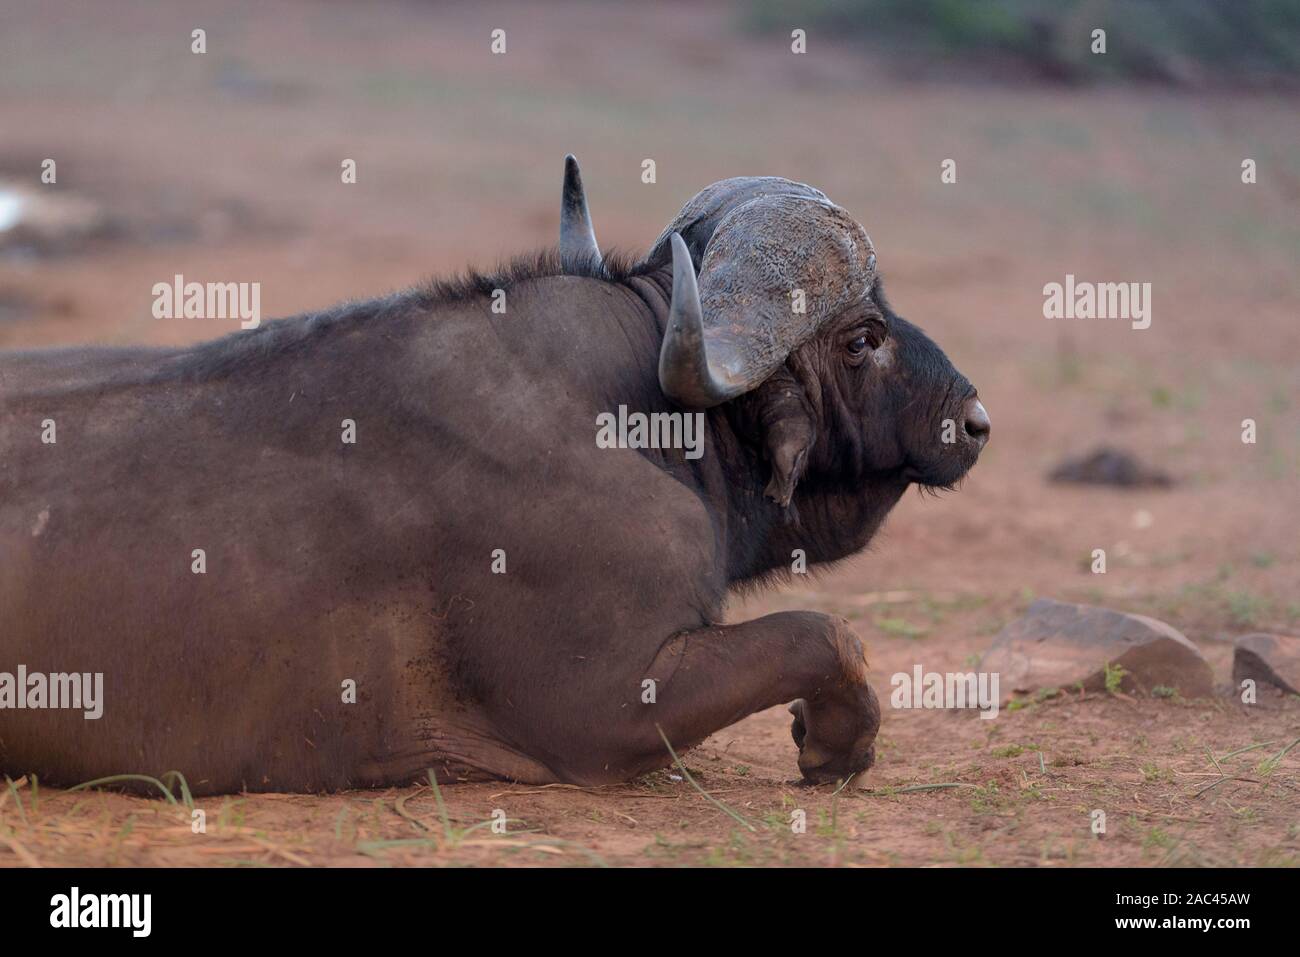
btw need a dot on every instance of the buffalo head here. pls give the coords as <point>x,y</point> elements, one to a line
<point>788,304</point>
<point>788,308</point>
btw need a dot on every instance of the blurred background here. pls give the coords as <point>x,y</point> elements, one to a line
<point>1119,167</point>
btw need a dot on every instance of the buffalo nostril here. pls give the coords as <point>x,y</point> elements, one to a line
<point>977,421</point>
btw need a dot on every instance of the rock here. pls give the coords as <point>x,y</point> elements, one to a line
<point>1108,466</point>
<point>1060,645</point>
<point>1271,658</point>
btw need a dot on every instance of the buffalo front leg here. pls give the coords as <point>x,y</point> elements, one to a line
<point>709,678</point>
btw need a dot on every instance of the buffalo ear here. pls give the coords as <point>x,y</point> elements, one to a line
<point>788,442</point>
<point>789,430</point>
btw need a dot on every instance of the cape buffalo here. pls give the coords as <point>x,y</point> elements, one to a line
<point>470,581</point>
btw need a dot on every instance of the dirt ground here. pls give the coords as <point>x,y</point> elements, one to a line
<point>226,166</point>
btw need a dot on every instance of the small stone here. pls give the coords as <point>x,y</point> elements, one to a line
<point>1110,466</point>
<point>1061,645</point>
<point>1274,659</point>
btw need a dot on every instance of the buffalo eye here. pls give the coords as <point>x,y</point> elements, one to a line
<point>865,334</point>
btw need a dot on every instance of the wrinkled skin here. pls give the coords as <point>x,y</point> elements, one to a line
<point>883,407</point>
<point>373,562</point>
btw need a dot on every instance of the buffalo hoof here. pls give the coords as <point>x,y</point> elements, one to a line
<point>835,743</point>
